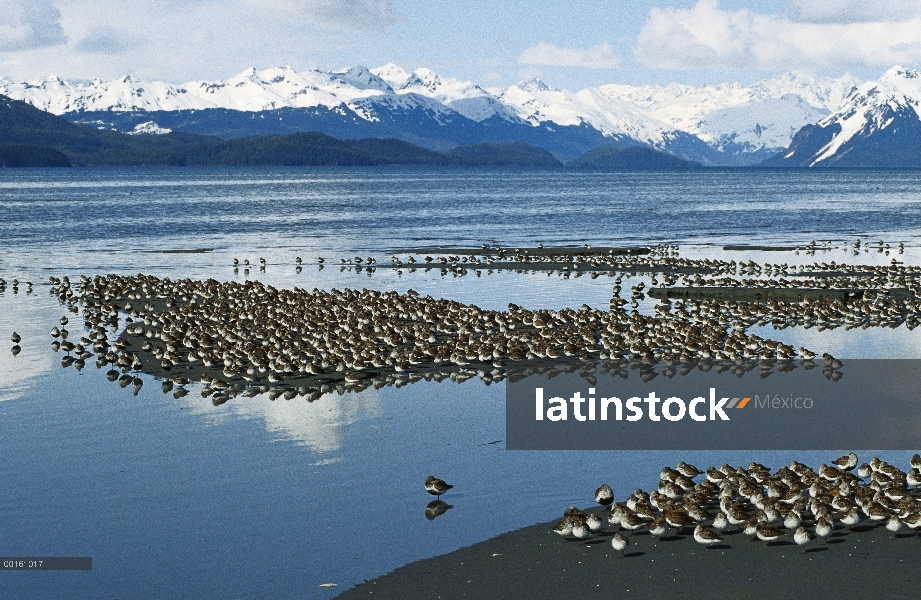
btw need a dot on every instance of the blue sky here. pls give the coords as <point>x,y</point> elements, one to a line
<point>569,43</point>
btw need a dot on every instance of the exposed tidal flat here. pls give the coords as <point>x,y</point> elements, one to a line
<point>176,496</point>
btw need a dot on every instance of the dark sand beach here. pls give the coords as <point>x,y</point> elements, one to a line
<point>867,562</point>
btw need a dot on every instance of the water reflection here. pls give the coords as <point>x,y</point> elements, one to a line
<point>320,426</point>
<point>436,508</point>
<point>21,358</point>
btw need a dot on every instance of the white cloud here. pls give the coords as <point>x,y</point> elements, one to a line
<point>707,37</point>
<point>338,14</point>
<point>29,24</point>
<point>851,11</point>
<point>181,40</point>
<point>596,57</point>
<point>105,39</point>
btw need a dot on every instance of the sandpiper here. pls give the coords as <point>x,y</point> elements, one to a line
<point>823,527</point>
<point>893,524</point>
<point>913,477</point>
<point>619,543</point>
<point>593,521</point>
<point>564,527</point>
<point>803,536</point>
<point>846,462</point>
<point>632,521</point>
<point>751,527</point>
<point>688,470</point>
<point>580,529</point>
<point>913,520</point>
<point>851,517</point>
<point>767,533</point>
<point>736,515</point>
<point>604,495</point>
<point>436,487</point>
<point>703,535</point>
<point>658,526</point>
<point>678,518</point>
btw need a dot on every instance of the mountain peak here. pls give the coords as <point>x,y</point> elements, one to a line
<point>878,124</point>
<point>424,78</point>
<point>900,72</point>
<point>362,78</point>
<point>395,75</point>
<point>533,84</point>
<point>827,93</point>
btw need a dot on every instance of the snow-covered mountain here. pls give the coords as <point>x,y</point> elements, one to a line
<point>761,117</point>
<point>250,91</point>
<point>724,124</point>
<point>878,125</point>
<point>465,97</point>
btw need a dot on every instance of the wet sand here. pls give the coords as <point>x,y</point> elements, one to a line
<point>533,562</point>
<point>533,251</point>
<point>551,266</point>
<point>756,248</point>
<point>748,294</point>
<point>192,251</point>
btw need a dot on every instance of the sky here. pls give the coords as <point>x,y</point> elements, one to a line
<point>570,44</point>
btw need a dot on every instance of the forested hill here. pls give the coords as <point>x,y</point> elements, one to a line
<point>30,137</point>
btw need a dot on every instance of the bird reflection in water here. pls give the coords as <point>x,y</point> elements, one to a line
<point>436,508</point>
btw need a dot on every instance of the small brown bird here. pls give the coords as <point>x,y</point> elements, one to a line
<point>619,543</point>
<point>604,495</point>
<point>846,462</point>
<point>436,487</point>
<point>767,533</point>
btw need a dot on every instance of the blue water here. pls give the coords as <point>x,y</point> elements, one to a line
<point>255,498</point>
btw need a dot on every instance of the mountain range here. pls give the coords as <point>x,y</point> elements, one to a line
<point>726,124</point>
<point>790,120</point>
<point>878,125</point>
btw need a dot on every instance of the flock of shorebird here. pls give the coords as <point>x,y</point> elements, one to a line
<point>251,337</point>
<point>795,500</point>
<point>248,337</point>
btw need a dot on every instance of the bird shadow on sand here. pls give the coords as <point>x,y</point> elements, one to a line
<point>633,554</point>
<point>836,541</point>
<point>605,534</point>
<point>596,542</point>
<point>673,538</point>
<point>863,528</point>
<point>719,547</point>
<point>780,543</point>
<point>814,550</point>
<point>903,536</point>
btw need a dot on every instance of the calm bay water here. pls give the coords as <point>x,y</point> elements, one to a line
<point>255,498</point>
